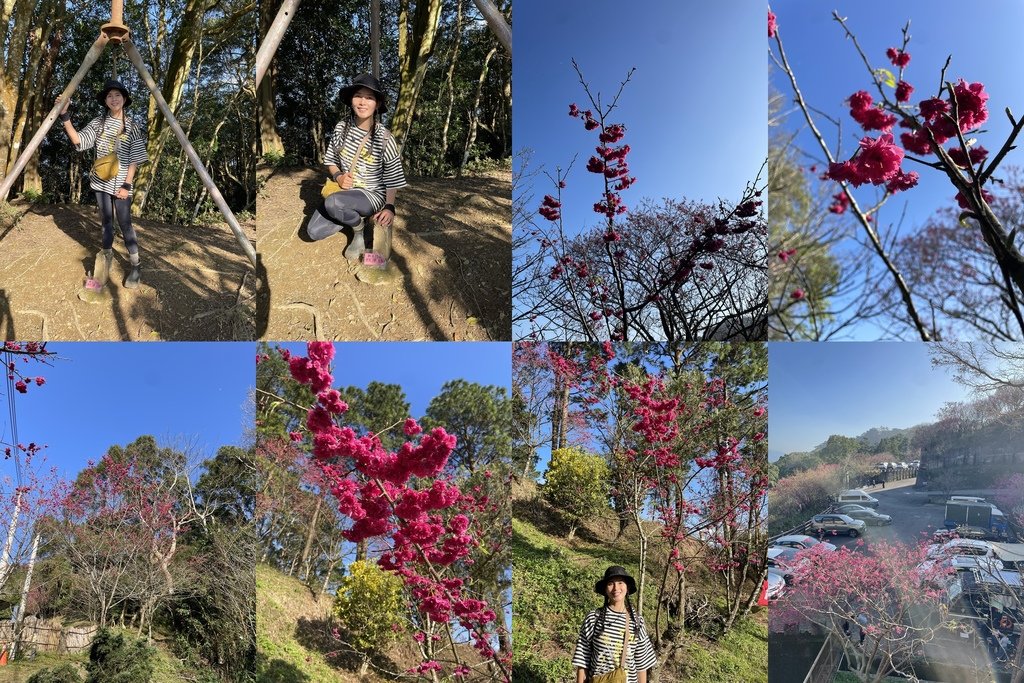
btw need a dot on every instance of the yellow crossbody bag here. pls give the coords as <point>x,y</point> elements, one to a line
<point>107,167</point>
<point>331,186</point>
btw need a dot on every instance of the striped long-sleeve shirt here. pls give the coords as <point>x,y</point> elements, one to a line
<point>129,145</point>
<point>601,653</point>
<point>379,167</point>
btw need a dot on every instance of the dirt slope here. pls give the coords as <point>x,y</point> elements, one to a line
<point>196,282</point>
<point>452,251</point>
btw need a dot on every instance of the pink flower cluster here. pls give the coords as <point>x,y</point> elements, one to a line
<point>426,538</point>
<point>898,57</point>
<point>772,26</point>
<point>876,162</point>
<point>868,116</point>
<point>550,208</point>
<point>610,161</point>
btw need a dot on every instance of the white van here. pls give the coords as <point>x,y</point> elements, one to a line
<point>856,496</point>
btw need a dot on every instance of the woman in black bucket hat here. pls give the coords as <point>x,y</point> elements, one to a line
<point>363,161</point>
<point>120,148</point>
<point>599,651</point>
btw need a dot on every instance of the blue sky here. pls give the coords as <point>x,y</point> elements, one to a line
<point>829,70</point>
<point>100,394</point>
<point>819,389</point>
<point>421,369</point>
<point>694,111</point>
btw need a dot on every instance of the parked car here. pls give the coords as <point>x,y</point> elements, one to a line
<point>785,562</point>
<point>857,497</point>
<point>964,547</point>
<point>866,515</point>
<point>838,524</point>
<point>776,584</point>
<point>800,542</point>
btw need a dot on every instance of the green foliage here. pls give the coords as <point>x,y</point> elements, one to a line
<point>741,656</point>
<point>34,197</point>
<point>576,483</point>
<point>113,658</point>
<point>368,604</point>
<point>65,673</point>
<point>378,409</point>
<point>480,418</point>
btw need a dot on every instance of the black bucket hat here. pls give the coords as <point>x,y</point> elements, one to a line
<point>365,81</point>
<point>113,84</point>
<point>615,572</point>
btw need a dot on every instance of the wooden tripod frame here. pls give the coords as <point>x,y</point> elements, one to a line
<point>116,32</point>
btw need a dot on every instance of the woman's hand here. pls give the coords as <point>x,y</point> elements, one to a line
<point>64,109</point>
<point>121,193</point>
<point>384,217</point>
<point>345,181</point>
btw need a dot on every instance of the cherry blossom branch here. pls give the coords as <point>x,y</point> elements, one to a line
<point>905,294</point>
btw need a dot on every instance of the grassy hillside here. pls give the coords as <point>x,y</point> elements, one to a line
<point>287,615</point>
<point>293,636</point>
<point>553,589</point>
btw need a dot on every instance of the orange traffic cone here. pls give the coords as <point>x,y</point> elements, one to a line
<point>3,658</point>
<point>762,599</point>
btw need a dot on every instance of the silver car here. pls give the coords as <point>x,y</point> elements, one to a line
<point>866,515</point>
<point>834,523</point>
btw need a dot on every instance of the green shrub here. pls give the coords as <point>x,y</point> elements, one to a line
<point>65,673</point>
<point>33,196</point>
<point>116,659</point>
<point>576,483</point>
<point>368,605</point>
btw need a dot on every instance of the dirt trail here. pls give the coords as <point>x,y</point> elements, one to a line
<point>452,247</point>
<point>196,282</point>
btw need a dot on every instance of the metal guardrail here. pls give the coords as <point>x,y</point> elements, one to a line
<point>826,664</point>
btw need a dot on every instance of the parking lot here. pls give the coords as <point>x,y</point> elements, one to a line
<point>955,654</point>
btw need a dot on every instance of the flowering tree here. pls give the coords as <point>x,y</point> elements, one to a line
<point>421,520</point>
<point>881,593</point>
<point>883,160</point>
<point>686,448</point>
<point>676,271</point>
<point>123,524</point>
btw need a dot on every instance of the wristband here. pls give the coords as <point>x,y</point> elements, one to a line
<point>126,186</point>
<point>65,117</point>
<point>335,176</point>
<point>391,208</point>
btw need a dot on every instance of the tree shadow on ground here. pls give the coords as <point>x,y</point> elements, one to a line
<point>316,635</point>
<point>549,520</point>
<point>196,282</point>
<point>279,671</point>
<point>451,249</point>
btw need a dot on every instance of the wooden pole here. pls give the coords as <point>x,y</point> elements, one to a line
<point>22,161</point>
<point>268,48</point>
<point>115,28</point>
<point>496,21</point>
<point>197,163</point>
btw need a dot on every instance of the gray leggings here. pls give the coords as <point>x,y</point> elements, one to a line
<point>346,208</point>
<point>108,205</point>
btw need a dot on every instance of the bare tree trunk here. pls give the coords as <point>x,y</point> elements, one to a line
<point>450,84</point>
<point>474,116</point>
<point>186,41</point>
<point>309,538</point>
<point>416,38</point>
<point>375,37</point>
<point>24,593</point>
<point>5,559</point>
<point>270,141</point>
